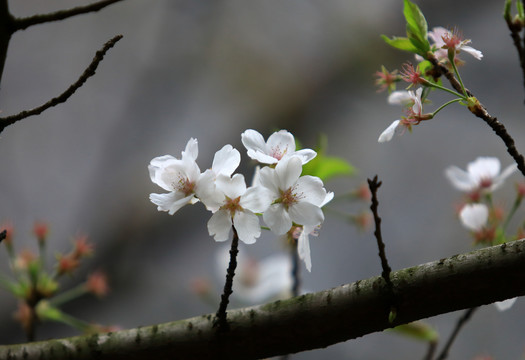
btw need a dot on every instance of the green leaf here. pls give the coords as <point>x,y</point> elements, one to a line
<point>417,27</point>
<point>418,330</point>
<point>506,10</point>
<point>401,43</point>
<point>519,7</point>
<point>327,167</point>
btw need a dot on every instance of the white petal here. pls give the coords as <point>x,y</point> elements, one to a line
<point>437,35</point>
<point>288,171</point>
<point>170,202</point>
<point>304,213</point>
<point>262,157</point>
<point>329,196</point>
<point>226,160</point>
<point>310,189</point>
<point>401,97</point>
<point>305,154</point>
<point>277,219</point>
<point>468,49</point>
<point>389,132</point>
<point>247,225</point>
<point>460,179</point>
<point>219,225</point>
<point>303,248</point>
<point>280,143</point>
<point>505,304</point>
<point>268,179</point>
<point>256,199</point>
<point>484,168</point>
<point>253,140</point>
<point>474,216</point>
<point>499,180</point>
<point>192,149</point>
<point>231,187</point>
<point>207,192</point>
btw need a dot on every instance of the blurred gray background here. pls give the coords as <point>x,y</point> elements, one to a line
<point>210,70</point>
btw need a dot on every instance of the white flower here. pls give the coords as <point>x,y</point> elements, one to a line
<point>444,39</point>
<point>414,116</point>
<point>236,206</point>
<point>481,174</point>
<point>505,304</point>
<point>474,216</point>
<point>258,281</point>
<point>280,145</point>
<point>178,176</point>
<point>296,198</point>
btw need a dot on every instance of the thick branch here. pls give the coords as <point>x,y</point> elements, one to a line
<point>24,23</point>
<point>309,321</point>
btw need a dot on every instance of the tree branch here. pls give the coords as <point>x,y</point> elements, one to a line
<point>90,71</point>
<point>309,321</point>
<point>24,23</point>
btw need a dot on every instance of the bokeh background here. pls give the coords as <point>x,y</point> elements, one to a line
<point>210,70</point>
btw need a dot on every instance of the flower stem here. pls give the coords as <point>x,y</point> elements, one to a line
<point>515,207</point>
<point>437,86</point>
<point>296,280</point>
<point>220,316</point>
<point>69,295</point>
<point>444,106</point>
<point>453,63</point>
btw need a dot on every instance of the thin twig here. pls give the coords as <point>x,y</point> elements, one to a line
<point>515,30</point>
<point>432,345</point>
<point>90,71</point>
<point>461,322</point>
<point>3,235</point>
<point>374,185</point>
<point>220,317</point>
<point>481,112</point>
<point>24,23</point>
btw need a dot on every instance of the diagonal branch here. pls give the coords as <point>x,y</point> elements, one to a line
<point>309,321</point>
<point>24,23</point>
<point>90,71</point>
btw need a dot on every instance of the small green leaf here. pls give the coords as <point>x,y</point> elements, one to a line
<point>327,167</point>
<point>506,10</point>
<point>521,12</point>
<point>418,330</point>
<point>401,43</point>
<point>417,27</point>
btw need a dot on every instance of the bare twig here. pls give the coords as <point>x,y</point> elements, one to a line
<point>461,322</point>
<point>220,316</point>
<point>374,186</point>
<point>24,23</point>
<point>296,278</point>
<point>481,112</point>
<point>90,71</point>
<point>515,29</point>
<point>3,235</point>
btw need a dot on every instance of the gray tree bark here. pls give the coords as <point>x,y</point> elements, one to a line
<point>313,320</point>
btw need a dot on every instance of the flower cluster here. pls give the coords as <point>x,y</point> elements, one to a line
<point>431,57</point>
<point>486,222</point>
<point>285,199</point>
<point>38,290</point>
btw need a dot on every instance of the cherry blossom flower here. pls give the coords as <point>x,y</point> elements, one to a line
<point>482,174</point>
<point>258,281</point>
<point>474,216</point>
<point>445,39</point>
<point>280,145</point>
<point>296,199</point>
<point>178,176</point>
<point>413,114</point>
<point>237,206</point>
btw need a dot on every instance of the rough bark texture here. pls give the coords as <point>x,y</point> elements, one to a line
<point>310,321</point>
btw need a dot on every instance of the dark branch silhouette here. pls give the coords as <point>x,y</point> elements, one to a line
<point>90,71</point>
<point>24,23</point>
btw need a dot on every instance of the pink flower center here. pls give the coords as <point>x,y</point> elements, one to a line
<point>290,197</point>
<point>277,153</point>
<point>232,205</point>
<point>184,185</point>
<point>485,183</point>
